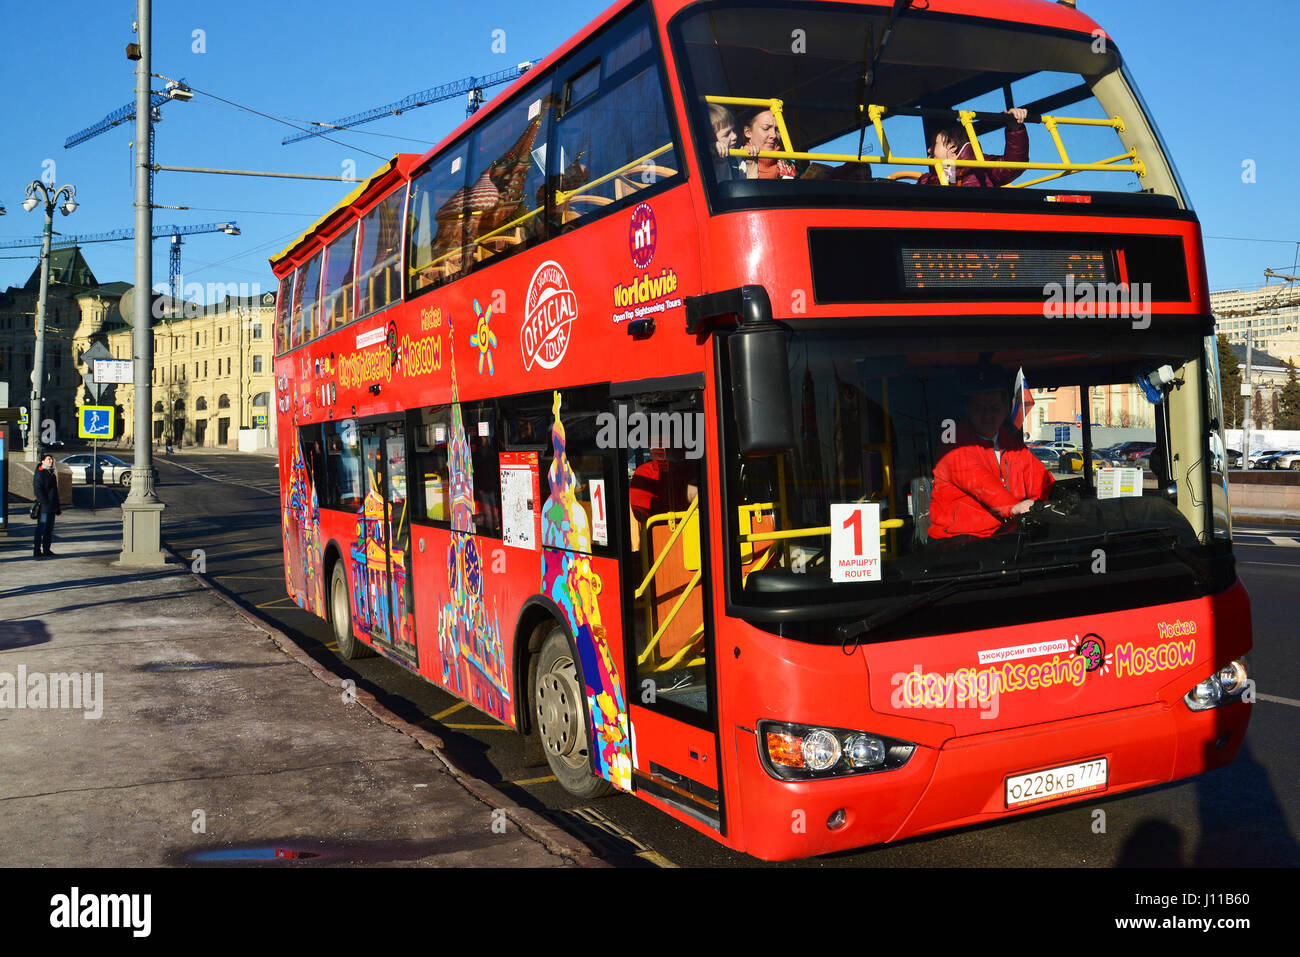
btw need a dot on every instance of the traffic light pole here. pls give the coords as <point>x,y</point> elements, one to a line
<point>142,512</point>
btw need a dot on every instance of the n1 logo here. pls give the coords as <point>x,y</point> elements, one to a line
<point>599,513</point>
<point>855,542</point>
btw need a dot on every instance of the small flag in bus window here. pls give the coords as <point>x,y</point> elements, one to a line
<point>1022,402</point>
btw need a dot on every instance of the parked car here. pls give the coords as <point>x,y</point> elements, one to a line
<point>110,470</point>
<point>1073,461</point>
<point>1287,460</point>
<point>1270,460</point>
<point>1233,457</point>
<point>1260,454</point>
<point>1049,457</point>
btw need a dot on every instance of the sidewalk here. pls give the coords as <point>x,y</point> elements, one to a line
<point>182,733</point>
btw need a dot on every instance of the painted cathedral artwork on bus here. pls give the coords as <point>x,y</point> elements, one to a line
<point>569,580</point>
<point>473,656</point>
<point>379,605</point>
<point>300,522</point>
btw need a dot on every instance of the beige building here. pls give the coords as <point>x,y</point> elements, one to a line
<point>212,373</point>
<point>1273,308</point>
<point>212,365</point>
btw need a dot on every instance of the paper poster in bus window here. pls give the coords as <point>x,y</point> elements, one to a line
<point>569,580</point>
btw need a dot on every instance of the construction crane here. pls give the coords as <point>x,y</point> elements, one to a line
<point>174,233</point>
<point>176,90</point>
<point>471,85</point>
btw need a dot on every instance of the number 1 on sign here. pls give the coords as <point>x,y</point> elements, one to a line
<point>855,542</point>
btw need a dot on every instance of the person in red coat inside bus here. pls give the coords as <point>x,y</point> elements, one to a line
<point>988,476</point>
<point>953,144</point>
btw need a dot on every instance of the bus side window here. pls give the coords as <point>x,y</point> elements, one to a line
<point>283,300</point>
<point>340,264</point>
<point>480,421</point>
<point>306,293</point>
<point>378,278</point>
<point>431,462</point>
<point>618,140</point>
<point>507,173</point>
<point>342,484</point>
<point>435,223</point>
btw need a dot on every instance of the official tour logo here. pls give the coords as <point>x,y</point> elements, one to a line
<point>642,236</point>
<point>548,317</point>
<point>1093,651</point>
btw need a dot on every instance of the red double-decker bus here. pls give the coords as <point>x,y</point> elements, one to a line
<point>674,409</point>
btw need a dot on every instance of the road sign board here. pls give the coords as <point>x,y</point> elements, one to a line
<point>1062,433</point>
<point>96,389</point>
<point>95,422</point>
<point>96,351</point>
<point>113,371</point>
<point>259,418</point>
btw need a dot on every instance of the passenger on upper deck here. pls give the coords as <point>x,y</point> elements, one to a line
<point>724,133</point>
<point>952,143</point>
<point>987,476</point>
<point>761,135</point>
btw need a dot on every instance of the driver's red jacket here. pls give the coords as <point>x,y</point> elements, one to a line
<point>973,492</point>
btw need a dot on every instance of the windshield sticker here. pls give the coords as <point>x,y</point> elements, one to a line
<point>1119,483</point>
<point>855,542</point>
<point>548,317</point>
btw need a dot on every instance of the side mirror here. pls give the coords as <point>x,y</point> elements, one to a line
<point>760,383</point>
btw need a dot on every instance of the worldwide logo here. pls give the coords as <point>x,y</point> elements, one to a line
<point>549,313</point>
<point>642,236</point>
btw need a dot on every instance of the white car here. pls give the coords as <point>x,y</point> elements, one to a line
<point>110,469</point>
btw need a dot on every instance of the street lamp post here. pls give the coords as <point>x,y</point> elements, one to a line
<point>142,511</point>
<point>50,197</point>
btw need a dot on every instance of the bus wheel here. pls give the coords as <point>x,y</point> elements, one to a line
<point>561,721</point>
<point>341,617</point>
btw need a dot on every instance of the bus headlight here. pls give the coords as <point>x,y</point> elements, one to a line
<point>800,752</point>
<point>1225,686</point>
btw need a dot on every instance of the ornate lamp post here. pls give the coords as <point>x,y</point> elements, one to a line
<point>50,197</point>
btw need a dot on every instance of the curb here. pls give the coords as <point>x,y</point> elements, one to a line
<point>553,838</point>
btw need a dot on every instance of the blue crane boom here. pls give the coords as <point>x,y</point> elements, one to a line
<point>118,116</point>
<point>473,85</point>
<point>174,233</point>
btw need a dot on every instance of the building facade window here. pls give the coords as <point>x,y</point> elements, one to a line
<point>257,363</point>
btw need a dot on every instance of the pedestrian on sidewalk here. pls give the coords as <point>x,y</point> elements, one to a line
<point>45,491</point>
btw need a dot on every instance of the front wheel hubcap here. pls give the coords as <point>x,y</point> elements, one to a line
<point>559,712</point>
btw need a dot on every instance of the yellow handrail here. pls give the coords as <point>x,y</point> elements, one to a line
<point>668,619</point>
<point>876,113</point>
<point>672,539</point>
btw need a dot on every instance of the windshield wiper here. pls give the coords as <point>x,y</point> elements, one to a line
<point>1161,536</point>
<point>849,631</point>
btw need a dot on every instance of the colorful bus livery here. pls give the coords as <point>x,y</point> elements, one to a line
<point>762,607</point>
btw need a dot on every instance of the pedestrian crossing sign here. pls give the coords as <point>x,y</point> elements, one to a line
<point>96,422</point>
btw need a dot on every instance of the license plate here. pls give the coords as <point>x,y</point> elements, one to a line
<point>1055,783</point>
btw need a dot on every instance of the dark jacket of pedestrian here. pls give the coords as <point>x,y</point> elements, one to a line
<point>45,490</point>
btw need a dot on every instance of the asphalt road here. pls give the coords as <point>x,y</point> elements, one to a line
<point>224,508</point>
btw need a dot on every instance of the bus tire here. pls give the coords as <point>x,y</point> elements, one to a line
<point>350,647</point>
<point>561,720</point>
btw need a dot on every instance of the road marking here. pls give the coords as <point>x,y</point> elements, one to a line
<point>276,604</point>
<point>1283,540</point>
<point>452,710</point>
<point>479,727</point>
<point>654,857</point>
<point>1275,699</point>
<point>1272,564</point>
<point>521,783</point>
<point>223,481</point>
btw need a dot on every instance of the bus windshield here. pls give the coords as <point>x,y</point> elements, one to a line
<point>778,94</point>
<point>929,432</point>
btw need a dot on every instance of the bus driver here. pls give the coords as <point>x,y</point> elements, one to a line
<point>987,476</point>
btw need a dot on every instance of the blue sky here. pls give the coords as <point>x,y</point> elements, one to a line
<point>1219,79</point>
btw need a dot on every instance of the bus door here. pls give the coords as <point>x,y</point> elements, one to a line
<point>672,699</point>
<point>382,554</point>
